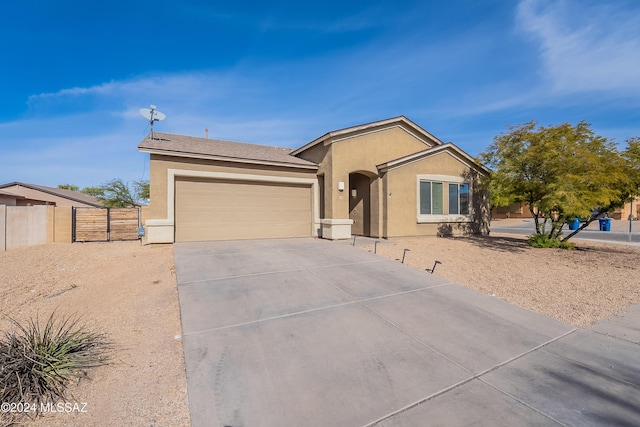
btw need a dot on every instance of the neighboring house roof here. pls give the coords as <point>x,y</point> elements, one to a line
<point>67,194</point>
<point>450,147</point>
<point>9,194</point>
<point>216,149</point>
<point>400,120</point>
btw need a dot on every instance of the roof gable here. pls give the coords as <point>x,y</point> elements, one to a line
<point>217,149</point>
<point>448,148</point>
<point>350,132</point>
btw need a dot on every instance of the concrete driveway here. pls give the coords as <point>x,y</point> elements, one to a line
<point>305,332</point>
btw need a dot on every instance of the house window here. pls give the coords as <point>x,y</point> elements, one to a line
<point>443,198</point>
<point>431,198</point>
<point>459,199</point>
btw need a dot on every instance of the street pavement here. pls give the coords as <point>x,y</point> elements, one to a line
<point>619,233</point>
<point>308,332</point>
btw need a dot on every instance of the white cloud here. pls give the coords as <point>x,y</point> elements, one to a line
<point>166,86</point>
<point>585,46</point>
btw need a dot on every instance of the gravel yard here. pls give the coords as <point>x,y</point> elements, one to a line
<point>129,292</point>
<point>579,287</point>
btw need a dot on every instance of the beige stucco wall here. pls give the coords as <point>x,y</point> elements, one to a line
<point>26,226</point>
<point>391,216</point>
<point>160,166</point>
<point>144,213</point>
<point>515,210</point>
<point>401,210</point>
<point>316,154</point>
<point>3,222</point>
<point>623,213</point>
<point>34,225</point>
<point>62,232</point>
<point>51,223</point>
<point>321,154</point>
<point>361,154</point>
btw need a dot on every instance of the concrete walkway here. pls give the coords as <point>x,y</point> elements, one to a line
<point>304,332</point>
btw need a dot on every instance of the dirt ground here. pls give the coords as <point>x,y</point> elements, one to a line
<point>579,287</point>
<point>125,290</point>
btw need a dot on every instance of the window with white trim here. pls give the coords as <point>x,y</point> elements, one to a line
<point>443,198</point>
<point>459,199</point>
<point>431,198</point>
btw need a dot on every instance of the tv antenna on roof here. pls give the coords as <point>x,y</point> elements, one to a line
<point>152,115</point>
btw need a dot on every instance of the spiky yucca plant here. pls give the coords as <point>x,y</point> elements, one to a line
<point>38,363</point>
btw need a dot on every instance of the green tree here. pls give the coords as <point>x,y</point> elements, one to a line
<point>141,189</point>
<point>68,187</point>
<point>117,194</point>
<point>93,191</point>
<point>631,154</point>
<point>561,172</point>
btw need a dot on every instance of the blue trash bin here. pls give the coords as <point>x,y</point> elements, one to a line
<point>605,224</point>
<point>575,224</point>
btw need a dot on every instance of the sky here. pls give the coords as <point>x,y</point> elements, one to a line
<point>74,74</point>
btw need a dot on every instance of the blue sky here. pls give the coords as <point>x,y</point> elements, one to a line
<point>73,74</point>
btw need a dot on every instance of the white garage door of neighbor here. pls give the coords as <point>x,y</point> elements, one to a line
<point>208,209</point>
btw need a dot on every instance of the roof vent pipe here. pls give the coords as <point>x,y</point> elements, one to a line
<point>206,133</point>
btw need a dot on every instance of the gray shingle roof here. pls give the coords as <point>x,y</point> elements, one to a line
<point>182,145</point>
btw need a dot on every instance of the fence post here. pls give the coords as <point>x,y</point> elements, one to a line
<point>73,224</point>
<point>108,224</point>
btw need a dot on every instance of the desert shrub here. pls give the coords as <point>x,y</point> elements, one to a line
<point>544,241</point>
<point>38,363</point>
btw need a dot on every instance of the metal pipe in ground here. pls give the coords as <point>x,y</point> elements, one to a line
<point>405,253</point>
<point>434,267</point>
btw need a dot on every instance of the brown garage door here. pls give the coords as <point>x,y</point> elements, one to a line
<point>226,210</point>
